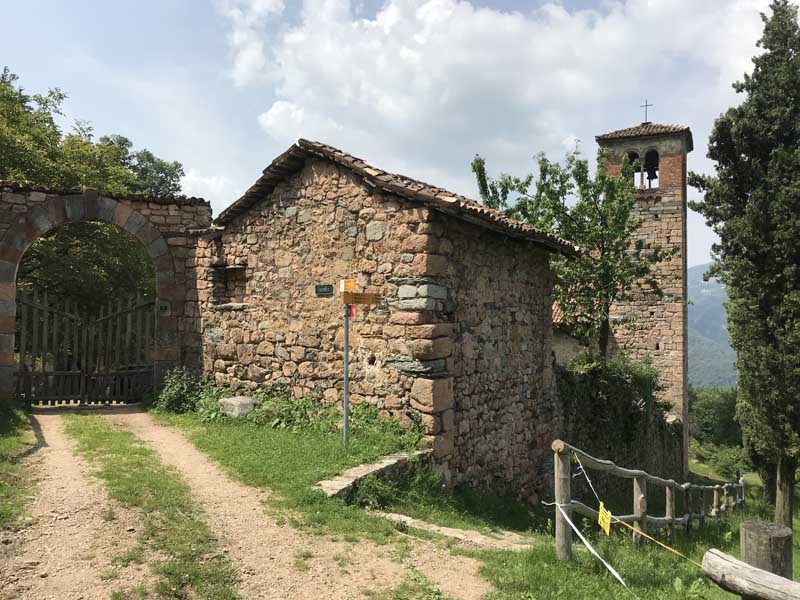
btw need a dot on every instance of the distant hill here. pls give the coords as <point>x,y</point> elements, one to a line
<point>710,354</point>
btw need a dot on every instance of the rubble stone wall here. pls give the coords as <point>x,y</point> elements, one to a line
<point>166,227</point>
<point>446,285</point>
<point>504,417</point>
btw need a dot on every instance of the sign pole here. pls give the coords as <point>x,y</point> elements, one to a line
<point>346,402</point>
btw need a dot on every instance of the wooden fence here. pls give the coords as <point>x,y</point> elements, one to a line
<point>66,355</point>
<point>723,497</point>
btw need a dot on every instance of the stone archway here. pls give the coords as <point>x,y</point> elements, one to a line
<point>166,227</point>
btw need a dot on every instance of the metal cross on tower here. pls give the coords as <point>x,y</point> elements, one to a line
<point>645,106</point>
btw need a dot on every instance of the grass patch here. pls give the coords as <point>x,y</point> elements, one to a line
<point>414,587</point>
<point>422,495</point>
<point>172,527</point>
<point>289,462</point>
<point>15,438</point>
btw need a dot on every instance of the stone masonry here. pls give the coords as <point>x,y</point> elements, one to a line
<point>659,329</point>
<point>167,227</point>
<point>460,344</point>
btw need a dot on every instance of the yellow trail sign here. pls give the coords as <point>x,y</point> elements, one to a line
<point>361,298</point>
<point>348,285</point>
<point>604,519</point>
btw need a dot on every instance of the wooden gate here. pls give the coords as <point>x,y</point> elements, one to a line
<point>68,356</point>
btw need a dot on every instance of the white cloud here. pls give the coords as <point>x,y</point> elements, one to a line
<point>217,189</point>
<point>248,22</point>
<point>422,85</point>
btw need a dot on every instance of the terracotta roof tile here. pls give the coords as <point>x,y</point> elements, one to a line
<point>644,130</point>
<point>439,198</point>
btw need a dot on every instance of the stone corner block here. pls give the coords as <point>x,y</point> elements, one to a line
<point>432,395</point>
<point>237,406</point>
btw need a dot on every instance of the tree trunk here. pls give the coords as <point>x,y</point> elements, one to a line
<point>605,331</point>
<point>784,497</point>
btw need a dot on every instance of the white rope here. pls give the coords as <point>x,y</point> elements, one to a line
<point>594,552</point>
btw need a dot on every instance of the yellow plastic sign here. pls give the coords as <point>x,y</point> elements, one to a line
<point>361,298</point>
<point>348,285</point>
<point>604,519</point>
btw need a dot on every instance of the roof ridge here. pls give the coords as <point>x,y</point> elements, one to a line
<point>440,198</point>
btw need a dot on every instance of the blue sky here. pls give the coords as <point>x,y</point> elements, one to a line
<point>413,86</point>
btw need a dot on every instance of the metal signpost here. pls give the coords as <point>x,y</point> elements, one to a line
<point>350,299</point>
<point>346,400</point>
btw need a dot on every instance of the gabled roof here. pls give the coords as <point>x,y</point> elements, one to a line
<point>440,199</point>
<point>647,129</point>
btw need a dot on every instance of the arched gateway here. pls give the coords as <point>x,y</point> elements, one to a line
<point>167,227</point>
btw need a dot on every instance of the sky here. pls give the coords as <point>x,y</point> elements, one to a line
<point>416,87</point>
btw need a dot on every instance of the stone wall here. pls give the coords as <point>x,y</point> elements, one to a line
<point>659,329</point>
<point>166,227</point>
<point>505,416</point>
<point>447,284</point>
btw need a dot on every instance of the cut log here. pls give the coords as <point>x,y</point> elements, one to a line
<point>767,546</point>
<point>748,582</point>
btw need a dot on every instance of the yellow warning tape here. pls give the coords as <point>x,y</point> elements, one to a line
<point>615,520</point>
<point>654,540</point>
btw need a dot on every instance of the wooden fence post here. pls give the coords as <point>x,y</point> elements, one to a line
<point>563,494</point>
<point>669,504</point>
<point>639,507</point>
<point>715,506</point>
<point>767,546</point>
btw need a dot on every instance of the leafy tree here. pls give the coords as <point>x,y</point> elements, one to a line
<point>88,262</point>
<point>753,203</point>
<point>33,149</point>
<point>611,266</point>
<point>712,413</point>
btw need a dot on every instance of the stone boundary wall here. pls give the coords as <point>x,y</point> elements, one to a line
<point>166,227</point>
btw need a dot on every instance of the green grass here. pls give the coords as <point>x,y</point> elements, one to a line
<point>414,587</point>
<point>288,463</point>
<point>15,438</point>
<point>173,529</point>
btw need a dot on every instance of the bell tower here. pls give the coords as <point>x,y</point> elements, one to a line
<point>659,327</point>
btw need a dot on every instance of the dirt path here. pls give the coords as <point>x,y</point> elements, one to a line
<point>66,552</point>
<point>266,553</point>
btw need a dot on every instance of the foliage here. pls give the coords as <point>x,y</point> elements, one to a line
<point>34,149</point>
<point>626,391</point>
<point>612,266</point>
<point>15,438</point>
<point>180,392</point>
<point>90,263</point>
<point>182,549</point>
<point>753,204</point>
<point>724,460</point>
<point>712,414</point>
<point>208,395</point>
<point>414,587</point>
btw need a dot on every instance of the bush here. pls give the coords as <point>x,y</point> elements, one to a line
<point>184,391</point>
<point>712,414</point>
<point>614,395</point>
<point>207,405</point>
<point>724,460</point>
<point>180,392</point>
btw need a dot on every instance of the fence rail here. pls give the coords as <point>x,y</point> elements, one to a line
<point>725,497</point>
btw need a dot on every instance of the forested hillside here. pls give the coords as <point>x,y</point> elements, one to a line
<point>710,354</point>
